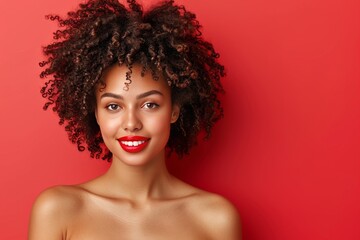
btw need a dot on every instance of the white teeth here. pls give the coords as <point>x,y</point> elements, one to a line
<point>132,143</point>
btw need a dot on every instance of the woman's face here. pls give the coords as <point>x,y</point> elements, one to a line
<point>134,123</point>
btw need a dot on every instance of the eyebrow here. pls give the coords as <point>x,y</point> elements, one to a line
<point>142,95</point>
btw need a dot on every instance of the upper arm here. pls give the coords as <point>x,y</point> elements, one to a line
<point>222,219</point>
<point>227,223</point>
<point>48,216</point>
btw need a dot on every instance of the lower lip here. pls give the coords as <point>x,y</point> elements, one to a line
<point>134,149</point>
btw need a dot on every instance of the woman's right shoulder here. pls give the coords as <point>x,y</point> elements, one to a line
<point>59,198</point>
<point>53,209</point>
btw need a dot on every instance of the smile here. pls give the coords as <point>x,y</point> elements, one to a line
<point>133,144</point>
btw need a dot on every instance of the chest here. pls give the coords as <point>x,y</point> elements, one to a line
<point>121,221</point>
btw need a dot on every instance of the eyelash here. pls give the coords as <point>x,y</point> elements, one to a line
<point>148,105</point>
<point>110,107</point>
<point>152,105</point>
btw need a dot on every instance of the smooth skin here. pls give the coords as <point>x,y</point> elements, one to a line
<point>136,198</point>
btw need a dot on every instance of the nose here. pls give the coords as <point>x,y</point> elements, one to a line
<point>131,122</point>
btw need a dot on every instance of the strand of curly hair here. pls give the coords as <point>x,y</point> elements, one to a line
<point>165,40</point>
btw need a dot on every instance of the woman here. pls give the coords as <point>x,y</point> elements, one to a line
<point>129,87</point>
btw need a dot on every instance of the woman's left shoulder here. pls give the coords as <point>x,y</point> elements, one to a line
<point>218,215</point>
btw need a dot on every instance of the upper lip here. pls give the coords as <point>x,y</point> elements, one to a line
<point>133,138</point>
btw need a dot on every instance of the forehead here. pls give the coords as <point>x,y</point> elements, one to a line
<point>116,77</point>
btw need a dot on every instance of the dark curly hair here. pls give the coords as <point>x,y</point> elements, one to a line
<point>165,39</point>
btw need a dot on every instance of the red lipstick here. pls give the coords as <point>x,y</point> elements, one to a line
<point>133,144</point>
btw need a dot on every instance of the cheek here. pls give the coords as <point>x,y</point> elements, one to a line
<point>160,125</point>
<point>108,127</point>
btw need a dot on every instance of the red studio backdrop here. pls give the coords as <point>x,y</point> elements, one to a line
<point>287,152</point>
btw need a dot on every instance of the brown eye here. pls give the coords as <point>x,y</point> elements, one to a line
<point>150,105</point>
<point>112,107</point>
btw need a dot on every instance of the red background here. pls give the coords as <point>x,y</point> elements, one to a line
<point>287,152</point>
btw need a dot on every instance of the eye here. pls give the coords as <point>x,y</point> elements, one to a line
<point>112,107</point>
<point>150,105</point>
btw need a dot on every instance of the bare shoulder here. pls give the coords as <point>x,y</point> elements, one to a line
<point>59,196</point>
<point>218,216</point>
<point>52,211</point>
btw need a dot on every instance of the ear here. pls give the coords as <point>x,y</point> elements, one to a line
<point>175,113</point>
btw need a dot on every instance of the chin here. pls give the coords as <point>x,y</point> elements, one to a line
<point>139,159</point>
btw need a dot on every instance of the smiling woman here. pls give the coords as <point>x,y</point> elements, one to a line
<point>128,85</point>
<point>145,108</point>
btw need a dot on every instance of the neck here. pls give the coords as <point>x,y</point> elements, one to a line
<point>138,182</point>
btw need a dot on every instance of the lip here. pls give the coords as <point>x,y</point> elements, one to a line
<point>133,144</point>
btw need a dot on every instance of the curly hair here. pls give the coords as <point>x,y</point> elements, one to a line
<point>166,39</point>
